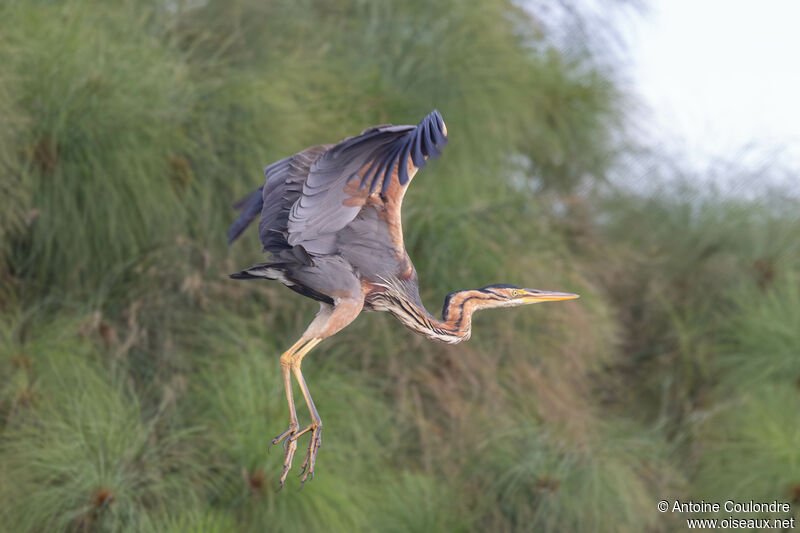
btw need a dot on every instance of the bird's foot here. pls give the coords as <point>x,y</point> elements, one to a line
<point>289,439</point>
<point>307,468</point>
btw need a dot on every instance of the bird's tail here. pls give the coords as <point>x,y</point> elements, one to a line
<point>263,271</point>
<point>250,207</point>
<point>282,272</point>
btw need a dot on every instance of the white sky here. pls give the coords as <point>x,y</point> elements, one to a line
<point>719,75</point>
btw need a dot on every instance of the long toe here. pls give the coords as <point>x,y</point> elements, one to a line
<point>307,468</point>
<point>289,439</point>
<point>291,447</point>
<point>292,430</point>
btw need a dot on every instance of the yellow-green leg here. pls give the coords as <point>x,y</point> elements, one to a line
<point>307,468</point>
<point>289,437</point>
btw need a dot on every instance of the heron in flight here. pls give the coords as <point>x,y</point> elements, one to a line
<point>330,218</point>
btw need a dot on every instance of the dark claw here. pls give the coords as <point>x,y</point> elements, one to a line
<point>303,481</point>
<point>289,439</point>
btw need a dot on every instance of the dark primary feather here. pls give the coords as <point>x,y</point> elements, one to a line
<point>330,215</point>
<point>419,142</point>
<point>326,206</point>
<point>250,207</point>
<point>303,199</point>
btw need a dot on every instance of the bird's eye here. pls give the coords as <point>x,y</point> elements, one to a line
<point>513,293</point>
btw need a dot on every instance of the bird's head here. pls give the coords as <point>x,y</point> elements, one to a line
<point>504,295</point>
<point>497,295</point>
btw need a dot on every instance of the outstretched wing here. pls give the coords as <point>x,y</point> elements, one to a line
<point>373,168</point>
<point>281,190</point>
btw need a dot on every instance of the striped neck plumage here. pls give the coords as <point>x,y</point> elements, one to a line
<point>456,323</point>
<point>401,298</point>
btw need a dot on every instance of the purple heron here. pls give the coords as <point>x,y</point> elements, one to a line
<point>330,218</point>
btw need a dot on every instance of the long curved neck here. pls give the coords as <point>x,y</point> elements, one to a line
<point>456,323</point>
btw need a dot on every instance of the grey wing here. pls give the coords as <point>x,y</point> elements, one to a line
<point>374,247</point>
<point>282,188</point>
<point>372,168</point>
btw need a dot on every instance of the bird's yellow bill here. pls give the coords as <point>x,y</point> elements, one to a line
<point>533,296</point>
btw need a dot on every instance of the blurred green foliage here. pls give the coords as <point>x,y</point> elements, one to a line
<point>139,386</point>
